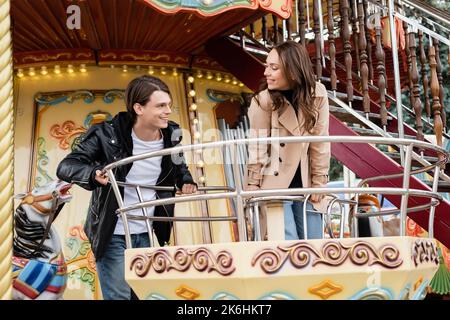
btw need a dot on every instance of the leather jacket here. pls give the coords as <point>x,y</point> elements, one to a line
<point>109,142</point>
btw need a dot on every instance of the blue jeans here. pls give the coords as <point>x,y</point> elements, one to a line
<point>111,266</point>
<point>293,221</point>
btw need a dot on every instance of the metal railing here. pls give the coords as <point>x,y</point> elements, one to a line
<point>246,199</point>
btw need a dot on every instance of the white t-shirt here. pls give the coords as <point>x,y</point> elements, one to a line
<point>142,172</point>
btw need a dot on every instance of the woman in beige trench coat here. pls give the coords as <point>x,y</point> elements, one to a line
<point>290,103</point>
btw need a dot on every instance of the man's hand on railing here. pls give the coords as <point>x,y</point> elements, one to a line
<point>188,188</point>
<point>101,177</point>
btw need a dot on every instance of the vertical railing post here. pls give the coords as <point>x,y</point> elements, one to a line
<point>347,49</point>
<point>144,213</point>
<point>441,87</point>
<point>436,106</point>
<point>332,47</point>
<point>369,42</point>
<point>405,196</point>
<point>239,199</point>
<point>322,41</point>
<point>354,23</point>
<point>433,208</point>
<point>379,52</point>
<point>417,105</point>
<point>301,18</point>
<point>264,29</point>
<point>256,224</point>
<point>275,29</point>
<point>408,60</point>
<point>288,23</point>
<point>119,199</point>
<point>305,217</point>
<point>398,92</point>
<point>317,41</point>
<point>423,72</point>
<point>364,69</point>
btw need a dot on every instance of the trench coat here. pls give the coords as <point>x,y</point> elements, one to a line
<point>273,166</point>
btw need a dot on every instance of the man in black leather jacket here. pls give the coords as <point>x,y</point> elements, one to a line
<point>144,124</point>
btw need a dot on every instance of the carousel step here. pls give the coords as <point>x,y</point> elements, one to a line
<point>443,186</point>
<point>345,116</point>
<point>370,132</point>
<point>343,96</point>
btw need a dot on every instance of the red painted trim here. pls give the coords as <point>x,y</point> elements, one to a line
<point>61,57</point>
<point>25,289</point>
<point>140,57</point>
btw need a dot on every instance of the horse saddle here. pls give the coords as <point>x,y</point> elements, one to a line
<point>32,277</point>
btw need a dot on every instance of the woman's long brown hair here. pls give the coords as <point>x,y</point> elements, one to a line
<point>299,74</point>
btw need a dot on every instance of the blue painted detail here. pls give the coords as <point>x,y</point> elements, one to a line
<point>200,5</point>
<point>373,293</point>
<point>88,120</point>
<point>276,295</point>
<point>221,96</point>
<point>224,296</point>
<point>421,291</point>
<point>55,99</point>
<point>155,296</point>
<point>111,95</point>
<point>49,101</point>
<point>405,291</point>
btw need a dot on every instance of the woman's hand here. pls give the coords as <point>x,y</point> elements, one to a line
<point>189,188</point>
<point>101,177</point>
<point>316,197</point>
<point>251,187</point>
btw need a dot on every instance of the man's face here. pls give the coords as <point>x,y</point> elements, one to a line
<point>155,114</point>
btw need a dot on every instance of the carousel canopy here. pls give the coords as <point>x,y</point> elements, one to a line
<point>140,31</point>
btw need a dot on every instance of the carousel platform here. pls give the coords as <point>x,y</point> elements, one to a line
<point>353,268</point>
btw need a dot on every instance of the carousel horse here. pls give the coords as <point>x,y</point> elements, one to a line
<point>375,226</point>
<point>39,269</point>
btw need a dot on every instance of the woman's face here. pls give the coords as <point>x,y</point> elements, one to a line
<point>274,73</point>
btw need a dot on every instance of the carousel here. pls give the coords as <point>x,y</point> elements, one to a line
<point>70,73</point>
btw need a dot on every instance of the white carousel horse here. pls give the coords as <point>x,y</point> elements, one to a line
<point>39,269</point>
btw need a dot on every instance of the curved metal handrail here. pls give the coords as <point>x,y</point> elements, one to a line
<point>242,196</point>
<point>291,139</point>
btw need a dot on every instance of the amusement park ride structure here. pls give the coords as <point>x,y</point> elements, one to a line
<point>211,54</point>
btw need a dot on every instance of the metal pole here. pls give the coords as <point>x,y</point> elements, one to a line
<point>342,225</point>
<point>119,199</point>
<point>433,208</point>
<point>322,41</point>
<point>355,218</point>
<point>144,213</point>
<point>305,222</point>
<point>398,93</point>
<point>256,228</point>
<point>329,208</point>
<point>239,200</point>
<point>404,203</point>
<point>307,18</point>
